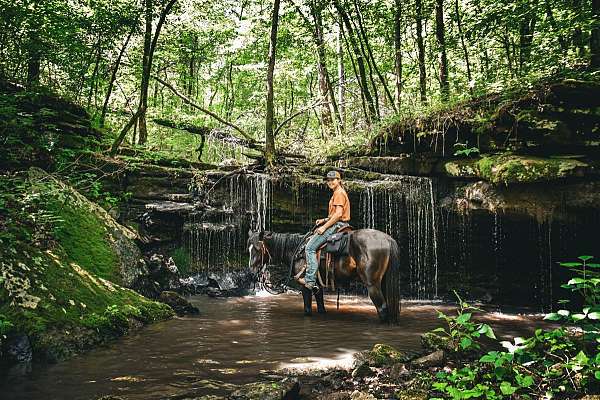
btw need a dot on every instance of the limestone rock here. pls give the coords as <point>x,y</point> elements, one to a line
<point>431,341</point>
<point>431,360</point>
<point>380,355</point>
<point>178,303</point>
<point>362,371</point>
<point>356,395</point>
<point>287,389</point>
<point>510,168</point>
<point>399,372</point>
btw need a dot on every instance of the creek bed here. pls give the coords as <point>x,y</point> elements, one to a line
<point>232,342</point>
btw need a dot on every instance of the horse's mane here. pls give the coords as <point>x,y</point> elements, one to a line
<point>283,245</point>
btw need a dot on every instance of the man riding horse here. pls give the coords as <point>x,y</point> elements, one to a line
<point>338,216</point>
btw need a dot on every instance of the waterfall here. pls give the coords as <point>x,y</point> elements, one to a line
<point>405,209</point>
<point>215,239</point>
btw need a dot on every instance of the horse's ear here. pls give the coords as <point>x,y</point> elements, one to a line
<point>250,232</point>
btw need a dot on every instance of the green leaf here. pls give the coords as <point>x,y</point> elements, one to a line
<point>585,258</point>
<point>489,357</point>
<point>571,264</point>
<point>463,318</point>
<point>527,381</point>
<point>507,389</point>
<point>576,281</point>
<point>594,315</point>
<point>597,375</point>
<point>465,343</point>
<point>564,313</point>
<point>552,317</point>
<point>577,317</point>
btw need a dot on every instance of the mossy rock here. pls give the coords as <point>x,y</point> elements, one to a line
<point>383,354</point>
<point>286,389</point>
<point>431,341</point>
<point>64,302</point>
<point>509,168</point>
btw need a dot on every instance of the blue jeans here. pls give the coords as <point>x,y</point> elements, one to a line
<point>311,252</point>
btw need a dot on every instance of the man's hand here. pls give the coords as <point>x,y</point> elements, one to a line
<point>320,221</point>
<point>320,230</point>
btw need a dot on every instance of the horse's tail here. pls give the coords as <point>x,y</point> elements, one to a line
<point>392,283</point>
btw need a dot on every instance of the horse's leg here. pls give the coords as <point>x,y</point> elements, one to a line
<point>378,300</point>
<point>320,302</point>
<point>307,297</point>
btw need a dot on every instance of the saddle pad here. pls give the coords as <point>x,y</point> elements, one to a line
<point>338,244</point>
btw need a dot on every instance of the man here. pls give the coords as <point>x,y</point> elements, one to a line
<point>338,213</point>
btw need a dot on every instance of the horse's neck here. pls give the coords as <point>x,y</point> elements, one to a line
<point>283,245</point>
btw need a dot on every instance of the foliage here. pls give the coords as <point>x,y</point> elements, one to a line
<point>462,332</point>
<point>556,362</point>
<point>215,52</point>
<point>48,282</point>
<point>463,149</point>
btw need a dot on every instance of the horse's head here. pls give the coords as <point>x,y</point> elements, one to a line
<point>258,250</point>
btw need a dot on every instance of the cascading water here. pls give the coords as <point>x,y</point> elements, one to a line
<point>215,238</point>
<point>405,209</point>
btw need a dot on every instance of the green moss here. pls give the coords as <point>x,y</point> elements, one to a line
<point>49,288</point>
<point>383,354</point>
<point>83,238</point>
<point>510,168</point>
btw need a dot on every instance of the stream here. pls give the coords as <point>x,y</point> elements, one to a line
<point>232,342</point>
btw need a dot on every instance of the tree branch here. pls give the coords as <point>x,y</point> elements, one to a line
<point>204,110</point>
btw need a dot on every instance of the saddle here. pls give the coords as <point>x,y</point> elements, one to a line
<point>336,246</point>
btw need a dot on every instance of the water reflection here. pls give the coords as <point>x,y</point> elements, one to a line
<point>231,342</point>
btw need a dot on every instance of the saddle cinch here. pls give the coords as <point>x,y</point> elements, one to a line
<point>336,246</point>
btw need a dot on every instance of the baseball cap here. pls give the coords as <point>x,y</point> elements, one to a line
<point>333,175</point>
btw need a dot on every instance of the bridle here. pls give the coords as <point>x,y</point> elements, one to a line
<point>264,252</point>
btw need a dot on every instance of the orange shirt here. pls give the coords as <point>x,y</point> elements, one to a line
<point>340,198</point>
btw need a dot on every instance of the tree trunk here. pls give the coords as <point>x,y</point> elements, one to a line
<point>269,136</point>
<point>441,39</point>
<point>462,43</point>
<point>94,77</point>
<point>145,78</point>
<point>357,76</point>
<point>526,30</point>
<point>341,79</point>
<point>421,50</point>
<point>142,128</point>
<point>577,32</point>
<point>595,35</point>
<point>398,51</point>
<point>34,58</point>
<point>372,112</point>
<point>326,120</point>
<point>370,56</point>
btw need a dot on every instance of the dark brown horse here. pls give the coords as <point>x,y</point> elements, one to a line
<point>373,258</point>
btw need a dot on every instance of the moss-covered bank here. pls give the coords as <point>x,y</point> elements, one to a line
<point>63,259</point>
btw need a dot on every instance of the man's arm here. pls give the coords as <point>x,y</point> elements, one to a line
<point>337,215</point>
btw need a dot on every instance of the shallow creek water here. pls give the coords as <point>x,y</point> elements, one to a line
<point>231,342</point>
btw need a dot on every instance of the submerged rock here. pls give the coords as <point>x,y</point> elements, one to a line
<point>178,303</point>
<point>17,349</point>
<point>287,389</point>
